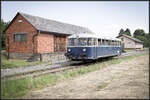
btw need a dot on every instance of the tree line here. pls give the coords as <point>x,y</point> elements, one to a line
<point>139,34</point>
<point>3,27</point>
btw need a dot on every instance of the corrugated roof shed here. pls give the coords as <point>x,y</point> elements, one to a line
<point>48,25</point>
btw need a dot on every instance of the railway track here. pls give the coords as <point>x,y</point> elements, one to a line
<point>62,66</point>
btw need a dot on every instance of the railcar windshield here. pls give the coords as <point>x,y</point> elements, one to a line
<point>82,41</point>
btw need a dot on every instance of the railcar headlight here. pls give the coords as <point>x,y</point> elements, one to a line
<point>84,49</point>
<point>118,51</point>
<point>69,50</point>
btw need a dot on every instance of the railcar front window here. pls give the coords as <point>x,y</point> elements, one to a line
<point>90,42</point>
<point>82,42</point>
<point>71,42</point>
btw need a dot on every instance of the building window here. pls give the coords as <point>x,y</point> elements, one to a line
<point>20,37</point>
<point>20,21</point>
<point>121,39</point>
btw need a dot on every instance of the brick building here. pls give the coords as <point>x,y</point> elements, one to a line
<point>29,37</point>
<point>130,42</point>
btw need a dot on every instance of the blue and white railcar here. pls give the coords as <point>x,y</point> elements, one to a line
<point>90,47</point>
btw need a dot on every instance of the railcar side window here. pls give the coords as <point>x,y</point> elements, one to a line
<point>99,42</point>
<point>107,42</point>
<point>94,42</point>
<point>102,42</point>
<point>118,43</point>
<point>115,43</point>
<point>112,43</point>
<point>83,41</point>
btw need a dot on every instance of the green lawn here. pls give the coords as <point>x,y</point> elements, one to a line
<point>19,87</point>
<point>12,63</point>
<point>129,50</point>
<point>146,48</point>
<point>132,50</point>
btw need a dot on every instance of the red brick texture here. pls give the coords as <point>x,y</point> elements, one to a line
<point>43,43</point>
<point>24,26</point>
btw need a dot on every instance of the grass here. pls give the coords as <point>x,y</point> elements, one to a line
<point>13,63</point>
<point>145,48</point>
<point>19,87</point>
<point>130,50</point>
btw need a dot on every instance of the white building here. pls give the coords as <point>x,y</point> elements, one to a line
<point>130,42</point>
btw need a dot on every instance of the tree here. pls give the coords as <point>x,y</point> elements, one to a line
<point>141,35</point>
<point>147,40</point>
<point>121,32</point>
<point>3,27</point>
<point>138,32</point>
<point>127,32</point>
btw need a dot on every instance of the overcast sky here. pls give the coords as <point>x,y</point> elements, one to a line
<point>104,18</point>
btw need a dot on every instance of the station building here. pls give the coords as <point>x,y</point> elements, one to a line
<point>130,42</point>
<point>35,38</point>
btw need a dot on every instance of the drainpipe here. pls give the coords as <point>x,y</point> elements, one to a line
<point>33,47</point>
<point>8,48</point>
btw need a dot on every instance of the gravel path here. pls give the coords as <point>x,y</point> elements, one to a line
<point>14,71</point>
<point>128,79</point>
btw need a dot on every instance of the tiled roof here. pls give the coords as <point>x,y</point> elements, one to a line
<point>48,25</point>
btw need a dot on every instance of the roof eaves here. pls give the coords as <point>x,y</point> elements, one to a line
<point>11,22</point>
<point>135,39</point>
<point>54,33</point>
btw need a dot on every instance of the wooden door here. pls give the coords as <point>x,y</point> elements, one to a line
<point>59,44</point>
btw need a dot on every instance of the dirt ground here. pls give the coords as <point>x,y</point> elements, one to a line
<point>128,79</point>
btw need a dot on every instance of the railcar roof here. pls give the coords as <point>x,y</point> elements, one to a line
<point>89,35</point>
<point>115,39</point>
<point>83,35</point>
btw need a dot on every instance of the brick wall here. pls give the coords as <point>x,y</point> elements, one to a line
<point>15,27</point>
<point>67,43</point>
<point>45,43</point>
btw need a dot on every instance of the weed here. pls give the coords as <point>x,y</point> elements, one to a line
<point>13,63</point>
